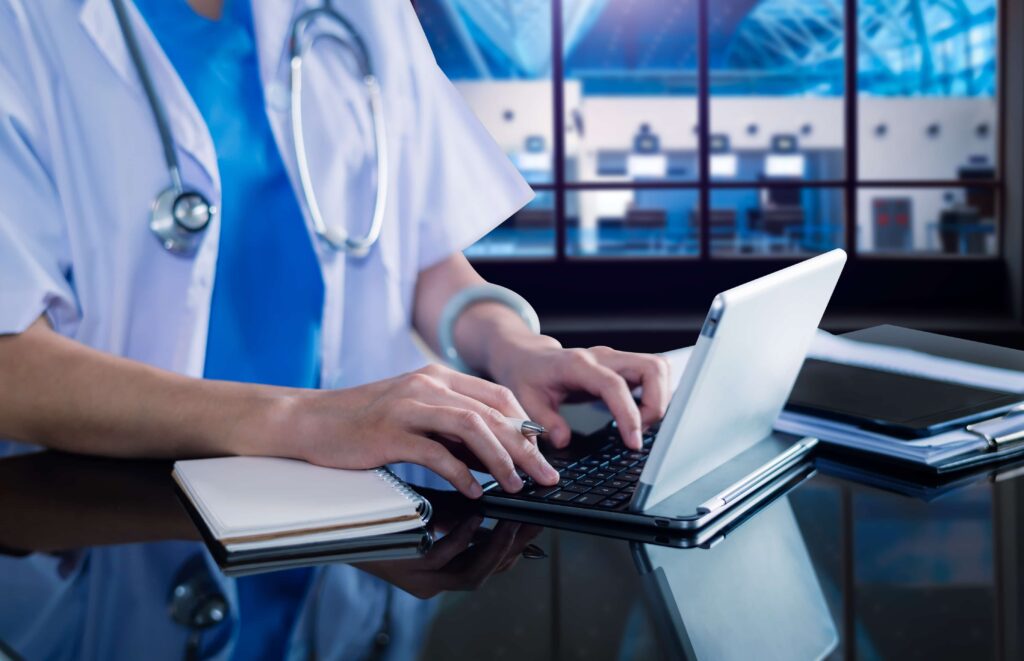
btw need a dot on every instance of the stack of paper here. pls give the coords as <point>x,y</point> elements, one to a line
<point>929,451</point>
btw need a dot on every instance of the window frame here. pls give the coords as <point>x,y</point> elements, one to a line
<point>928,283</point>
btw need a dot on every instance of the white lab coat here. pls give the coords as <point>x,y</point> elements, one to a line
<point>80,164</point>
<point>111,603</point>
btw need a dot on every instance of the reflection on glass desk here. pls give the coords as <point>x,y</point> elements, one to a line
<point>760,597</point>
<point>99,561</point>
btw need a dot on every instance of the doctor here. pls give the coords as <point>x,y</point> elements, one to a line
<point>251,326</point>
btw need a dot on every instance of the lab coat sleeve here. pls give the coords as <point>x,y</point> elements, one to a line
<point>35,270</point>
<point>468,185</point>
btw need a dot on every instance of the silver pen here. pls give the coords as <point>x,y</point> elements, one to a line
<point>527,428</point>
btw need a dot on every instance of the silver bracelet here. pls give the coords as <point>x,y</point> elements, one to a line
<point>467,297</point>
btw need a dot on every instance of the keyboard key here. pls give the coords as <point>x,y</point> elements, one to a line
<point>636,456</point>
<point>587,499</point>
<point>627,477</point>
<point>559,463</point>
<point>539,492</point>
<point>610,504</point>
<point>604,491</point>
<point>571,475</point>
<point>576,487</point>
<point>636,470</point>
<point>623,463</point>
<point>562,496</point>
<point>602,475</point>
<point>592,463</point>
<point>588,481</point>
<point>616,484</point>
<point>620,496</point>
<point>630,489</point>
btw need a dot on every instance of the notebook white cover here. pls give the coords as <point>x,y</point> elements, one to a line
<point>262,502</point>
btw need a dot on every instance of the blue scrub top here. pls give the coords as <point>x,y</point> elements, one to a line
<point>268,295</point>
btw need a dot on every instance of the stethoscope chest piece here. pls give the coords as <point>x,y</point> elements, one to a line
<point>179,218</point>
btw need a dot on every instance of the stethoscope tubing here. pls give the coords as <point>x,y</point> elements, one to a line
<point>177,241</point>
<point>301,44</point>
<point>156,106</point>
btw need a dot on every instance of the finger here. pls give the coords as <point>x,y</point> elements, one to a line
<point>453,544</point>
<point>492,553</point>
<point>605,383</point>
<point>542,411</point>
<point>492,394</point>
<point>522,450</point>
<point>468,427</point>
<point>524,535</point>
<point>648,371</point>
<point>433,455</point>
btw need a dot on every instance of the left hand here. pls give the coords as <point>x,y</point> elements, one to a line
<point>542,375</point>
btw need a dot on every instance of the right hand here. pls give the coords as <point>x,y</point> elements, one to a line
<point>462,560</point>
<point>435,417</point>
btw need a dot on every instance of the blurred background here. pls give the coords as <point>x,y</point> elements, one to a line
<point>678,147</point>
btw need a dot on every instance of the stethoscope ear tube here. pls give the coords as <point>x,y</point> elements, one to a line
<point>302,43</point>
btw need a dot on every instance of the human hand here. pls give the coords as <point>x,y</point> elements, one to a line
<point>543,375</point>
<point>461,560</point>
<point>434,417</point>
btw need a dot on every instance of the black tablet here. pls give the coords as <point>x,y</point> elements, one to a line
<point>895,404</point>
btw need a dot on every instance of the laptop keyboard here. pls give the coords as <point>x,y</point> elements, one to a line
<point>597,473</point>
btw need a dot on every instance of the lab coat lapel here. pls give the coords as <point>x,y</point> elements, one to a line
<point>187,125</point>
<point>272,22</point>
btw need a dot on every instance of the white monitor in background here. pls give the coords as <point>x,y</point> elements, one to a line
<point>724,166</point>
<point>784,165</point>
<point>532,161</point>
<point>653,166</point>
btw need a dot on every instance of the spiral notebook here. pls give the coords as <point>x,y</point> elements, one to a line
<point>261,503</point>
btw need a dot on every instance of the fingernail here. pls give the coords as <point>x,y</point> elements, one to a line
<point>515,482</point>
<point>475,490</point>
<point>534,552</point>
<point>638,439</point>
<point>550,472</point>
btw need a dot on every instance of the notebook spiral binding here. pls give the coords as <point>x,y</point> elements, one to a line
<point>423,507</point>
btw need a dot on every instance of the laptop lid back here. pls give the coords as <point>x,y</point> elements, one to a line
<point>740,373</point>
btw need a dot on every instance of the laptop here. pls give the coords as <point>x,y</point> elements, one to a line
<point>715,447</point>
<point>756,595</point>
<point>706,537</point>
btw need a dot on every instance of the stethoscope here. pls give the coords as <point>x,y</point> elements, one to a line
<point>181,214</point>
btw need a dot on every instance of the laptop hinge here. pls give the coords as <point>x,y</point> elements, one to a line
<point>742,488</point>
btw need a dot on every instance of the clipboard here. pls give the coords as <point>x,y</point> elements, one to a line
<point>1002,432</point>
<point>897,405</point>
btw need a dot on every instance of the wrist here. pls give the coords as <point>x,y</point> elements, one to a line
<point>270,424</point>
<point>506,350</point>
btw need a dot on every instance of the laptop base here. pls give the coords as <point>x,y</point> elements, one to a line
<point>592,462</point>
